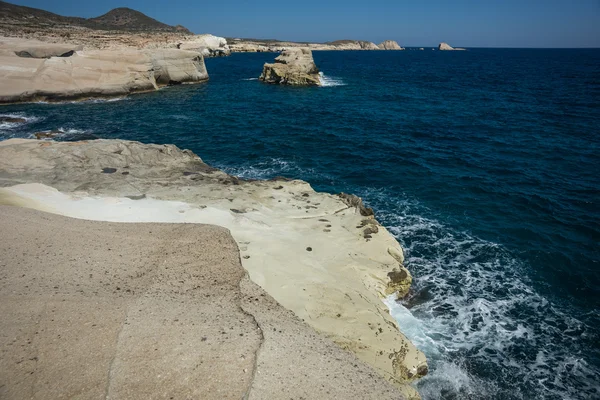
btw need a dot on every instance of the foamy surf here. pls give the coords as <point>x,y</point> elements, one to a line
<point>478,319</point>
<point>10,124</point>
<point>250,79</point>
<point>98,100</point>
<point>330,81</point>
<point>266,169</point>
<point>63,134</point>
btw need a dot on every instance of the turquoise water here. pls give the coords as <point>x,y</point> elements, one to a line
<point>484,164</point>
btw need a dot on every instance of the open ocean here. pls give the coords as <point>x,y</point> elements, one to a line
<point>485,164</point>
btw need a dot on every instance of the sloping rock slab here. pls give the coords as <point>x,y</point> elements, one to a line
<point>99,310</point>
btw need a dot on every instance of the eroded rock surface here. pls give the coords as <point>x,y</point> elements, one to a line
<point>101,310</point>
<point>336,287</point>
<point>93,73</point>
<point>207,45</point>
<point>293,67</point>
<point>246,45</point>
<point>35,49</point>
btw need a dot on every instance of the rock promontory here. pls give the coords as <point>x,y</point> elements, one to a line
<point>30,71</point>
<point>322,256</point>
<point>109,310</point>
<point>390,45</point>
<point>293,66</point>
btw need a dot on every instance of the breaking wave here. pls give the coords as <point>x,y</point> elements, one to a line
<point>329,81</point>
<point>266,169</point>
<point>62,134</point>
<point>478,319</point>
<point>12,123</point>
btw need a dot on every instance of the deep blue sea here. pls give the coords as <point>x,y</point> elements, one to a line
<point>485,164</point>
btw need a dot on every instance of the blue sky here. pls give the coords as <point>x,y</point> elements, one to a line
<point>468,23</point>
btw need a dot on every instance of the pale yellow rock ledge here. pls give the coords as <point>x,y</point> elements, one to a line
<point>320,255</point>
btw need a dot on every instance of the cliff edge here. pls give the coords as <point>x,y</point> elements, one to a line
<point>111,310</point>
<point>324,257</point>
<point>36,71</point>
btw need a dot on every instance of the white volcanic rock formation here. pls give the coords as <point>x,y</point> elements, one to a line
<point>245,45</point>
<point>324,257</point>
<point>95,310</point>
<point>96,73</point>
<point>364,45</point>
<point>208,45</point>
<point>390,45</point>
<point>446,47</point>
<point>294,66</point>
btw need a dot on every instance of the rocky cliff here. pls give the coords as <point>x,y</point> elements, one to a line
<point>34,71</point>
<point>324,257</point>
<point>256,45</point>
<point>389,45</point>
<point>293,67</point>
<point>107,310</point>
<point>208,45</point>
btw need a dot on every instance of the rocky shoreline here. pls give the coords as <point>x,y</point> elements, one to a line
<point>324,257</point>
<point>38,71</point>
<point>275,46</point>
<point>171,311</point>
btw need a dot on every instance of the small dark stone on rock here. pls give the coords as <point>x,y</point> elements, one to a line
<point>309,249</point>
<point>109,170</point>
<point>138,197</point>
<point>125,173</point>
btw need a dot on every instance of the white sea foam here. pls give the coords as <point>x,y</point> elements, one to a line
<point>267,169</point>
<point>11,129</point>
<point>329,81</point>
<point>66,134</point>
<point>250,79</point>
<point>485,330</point>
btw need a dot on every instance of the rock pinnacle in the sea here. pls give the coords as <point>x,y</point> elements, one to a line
<point>295,66</point>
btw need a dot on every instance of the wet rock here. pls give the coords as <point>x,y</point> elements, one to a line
<point>400,281</point>
<point>356,202</point>
<point>13,120</point>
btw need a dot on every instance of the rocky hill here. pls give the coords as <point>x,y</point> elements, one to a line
<point>128,19</point>
<point>17,17</point>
